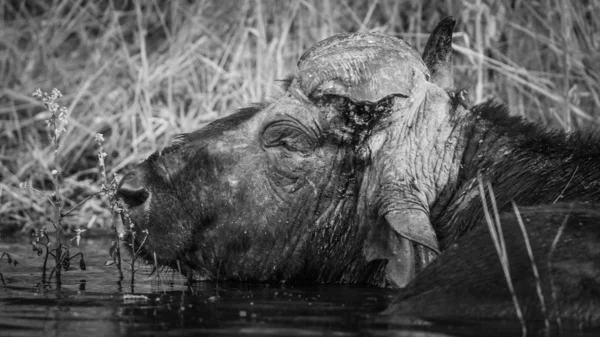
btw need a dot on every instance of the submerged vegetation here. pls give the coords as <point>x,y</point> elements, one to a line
<point>140,72</point>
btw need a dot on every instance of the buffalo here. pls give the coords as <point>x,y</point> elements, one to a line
<point>364,170</point>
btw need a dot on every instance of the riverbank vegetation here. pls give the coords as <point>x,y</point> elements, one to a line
<point>140,72</point>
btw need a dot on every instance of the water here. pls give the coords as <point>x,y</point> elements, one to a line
<point>94,303</point>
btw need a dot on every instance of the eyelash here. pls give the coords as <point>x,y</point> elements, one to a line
<point>288,146</point>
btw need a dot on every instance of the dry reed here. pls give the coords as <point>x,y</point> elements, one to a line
<point>141,72</point>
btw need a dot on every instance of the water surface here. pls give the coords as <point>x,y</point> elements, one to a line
<point>95,302</point>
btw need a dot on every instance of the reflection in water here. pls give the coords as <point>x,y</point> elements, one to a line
<point>94,303</point>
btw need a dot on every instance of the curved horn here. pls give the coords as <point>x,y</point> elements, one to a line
<point>438,54</point>
<point>363,67</point>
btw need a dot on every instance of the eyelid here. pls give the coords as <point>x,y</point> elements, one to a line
<point>288,145</point>
<point>291,137</point>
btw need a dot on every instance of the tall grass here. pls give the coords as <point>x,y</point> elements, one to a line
<point>140,72</point>
<point>496,232</point>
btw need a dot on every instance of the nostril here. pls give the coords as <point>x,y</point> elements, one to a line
<point>132,190</point>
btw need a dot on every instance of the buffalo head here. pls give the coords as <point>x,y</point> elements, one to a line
<point>331,182</point>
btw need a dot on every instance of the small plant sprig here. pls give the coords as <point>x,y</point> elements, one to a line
<point>117,208</point>
<point>56,125</point>
<point>109,189</point>
<point>134,252</point>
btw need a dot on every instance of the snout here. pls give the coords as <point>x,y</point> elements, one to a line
<point>132,189</point>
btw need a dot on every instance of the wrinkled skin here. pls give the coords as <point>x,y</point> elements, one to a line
<point>299,188</point>
<point>467,283</point>
<point>362,171</point>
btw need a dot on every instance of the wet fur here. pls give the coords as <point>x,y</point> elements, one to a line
<point>467,282</point>
<point>524,162</point>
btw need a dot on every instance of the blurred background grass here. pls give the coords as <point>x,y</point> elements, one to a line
<point>141,72</point>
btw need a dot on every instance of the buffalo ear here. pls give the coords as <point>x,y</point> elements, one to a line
<point>438,54</point>
<point>406,240</point>
<point>415,226</point>
<point>384,244</point>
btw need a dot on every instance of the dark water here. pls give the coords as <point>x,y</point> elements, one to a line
<point>95,303</point>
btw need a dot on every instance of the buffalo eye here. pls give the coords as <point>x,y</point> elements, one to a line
<point>289,136</point>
